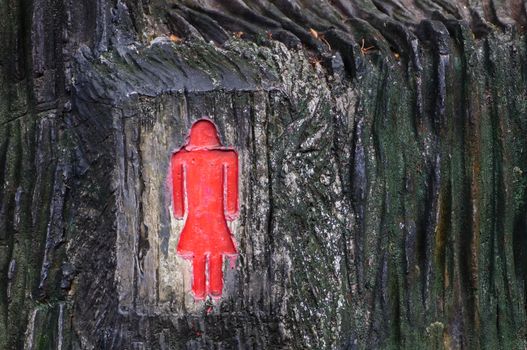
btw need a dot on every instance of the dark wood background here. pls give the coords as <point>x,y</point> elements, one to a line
<point>383,176</point>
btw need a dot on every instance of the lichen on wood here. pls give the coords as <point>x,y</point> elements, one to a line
<point>382,153</point>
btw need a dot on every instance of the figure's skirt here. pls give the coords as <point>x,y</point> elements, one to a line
<point>205,237</point>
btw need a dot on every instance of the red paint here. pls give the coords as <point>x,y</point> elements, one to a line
<point>205,192</point>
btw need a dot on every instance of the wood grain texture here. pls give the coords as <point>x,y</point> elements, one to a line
<point>382,147</point>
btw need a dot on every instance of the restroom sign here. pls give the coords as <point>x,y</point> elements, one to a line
<point>205,195</point>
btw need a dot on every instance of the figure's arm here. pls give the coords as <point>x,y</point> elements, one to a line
<point>231,207</point>
<point>178,186</point>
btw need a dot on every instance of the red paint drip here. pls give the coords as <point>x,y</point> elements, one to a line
<point>205,193</point>
<point>232,261</point>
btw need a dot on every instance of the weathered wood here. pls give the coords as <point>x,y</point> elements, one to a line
<point>383,154</point>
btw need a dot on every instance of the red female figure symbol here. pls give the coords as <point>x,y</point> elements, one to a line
<point>205,193</point>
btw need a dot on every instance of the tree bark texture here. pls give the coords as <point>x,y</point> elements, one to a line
<point>383,157</point>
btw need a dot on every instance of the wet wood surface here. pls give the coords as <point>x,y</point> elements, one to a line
<point>382,149</point>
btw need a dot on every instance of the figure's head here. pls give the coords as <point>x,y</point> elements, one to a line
<point>204,134</point>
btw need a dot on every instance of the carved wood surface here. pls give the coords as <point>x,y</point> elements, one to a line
<point>383,160</point>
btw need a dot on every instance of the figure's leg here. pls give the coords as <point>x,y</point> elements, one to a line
<point>198,271</point>
<point>216,275</point>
